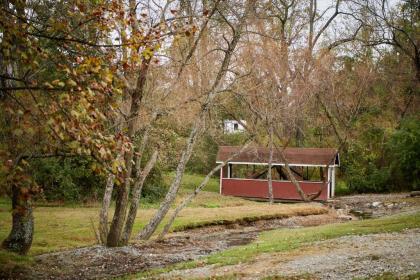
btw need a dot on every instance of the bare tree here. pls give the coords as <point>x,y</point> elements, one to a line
<point>283,81</point>
<point>212,93</point>
<point>391,25</point>
<point>138,113</point>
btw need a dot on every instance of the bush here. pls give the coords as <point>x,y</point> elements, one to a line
<point>374,166</point>
<point>154,187</point>
<point>369,179</point>
<point>203,159</point>
<point>341,188</point>
<point>404,150</point>
<point>67,179</point>
<point>234,139</point>
<point>363,164</point>
<point>72,180</point>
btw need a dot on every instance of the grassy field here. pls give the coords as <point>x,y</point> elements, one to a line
<point>191,181</point>
<point>59,228</point>
<point>285,240</point>
<point>65,227</point>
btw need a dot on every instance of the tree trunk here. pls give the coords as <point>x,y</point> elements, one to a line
<point>300,137</point>
<point>135,200</point>
<point>20,237</point>
<point>103,215</point>
<point>290,173</point>
<point>150,228</point>
<point>188,200</point>
<point>121,202</point>
<point>293,179</point>
<point>270,165</point>
<point>331,119</point>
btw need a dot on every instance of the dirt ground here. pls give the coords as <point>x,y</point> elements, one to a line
<point>356,256</point>
<point>344,258</point>
<point>98,262</point>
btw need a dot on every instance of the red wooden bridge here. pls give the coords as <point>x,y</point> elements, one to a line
<point>245,175</point>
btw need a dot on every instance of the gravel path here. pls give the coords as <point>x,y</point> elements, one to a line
<point>346,257</point>
<point>351,257</point>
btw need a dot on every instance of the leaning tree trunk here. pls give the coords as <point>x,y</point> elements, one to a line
<point>290,173</point>
<point>20,237</point>
<point>303,195</point>
<point>150,228</point>
<point>197,190</point>
<point>293,178</point>
<point>137,189</point>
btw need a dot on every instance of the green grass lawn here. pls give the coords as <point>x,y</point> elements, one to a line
<point>58,228</point>
<point>191,181</point>
<point>65,227</point>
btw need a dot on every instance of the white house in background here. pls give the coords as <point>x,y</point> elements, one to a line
<point>233,126</point>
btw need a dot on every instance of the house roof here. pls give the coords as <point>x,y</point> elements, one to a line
<point>294,156</point>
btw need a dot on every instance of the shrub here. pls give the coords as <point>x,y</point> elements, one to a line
<point>404,151</point>
<point>370,179</point>
<point>154,187</point>
<point>72,180</point>
<point>342,188</point>
<point>67,179</point>
<point>203,158</point>
<point>364,167</point>
<point>374,165</point>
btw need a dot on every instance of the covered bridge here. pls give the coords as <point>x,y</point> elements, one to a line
<point>245,175</point>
